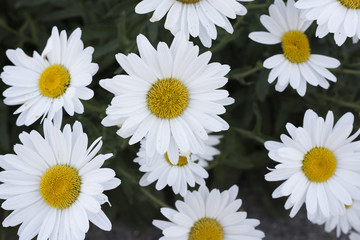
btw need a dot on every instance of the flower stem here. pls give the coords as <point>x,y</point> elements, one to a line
<point>153,198</point>
<point>251,135</point>
<point>338,101</point>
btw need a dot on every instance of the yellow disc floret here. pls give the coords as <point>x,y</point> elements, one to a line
<point>54,81</point>
<point>352,4</point>
<point>347,206</point>
<point>295,45</point>
<point>206,229</point>
<point>182,160</point>
<point>189,1</point>
<point>167,98</point>
<point>60,186</point>
<point>319,164</point>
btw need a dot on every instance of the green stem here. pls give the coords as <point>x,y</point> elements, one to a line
<point>257,6</point>
<point>227,38</point>
<point>250,135</point>
<point>147,193</point>
<point>347,71</point>
<point>353,65</point>
<point>153,198</point>
<point>329,236</point>
<point>258,67</point>
<point>13,31</point>
<point>94,108</point>
<point>338,101</point>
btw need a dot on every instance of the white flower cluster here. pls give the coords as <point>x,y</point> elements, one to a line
<point>54,184</point>
<point>170,100</point>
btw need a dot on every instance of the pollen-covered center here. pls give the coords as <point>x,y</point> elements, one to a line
<point>189,1</point>
<point>348,206</point>
<point>60,186</point>
<point>182,160</point>
<point>54,81</point>
<point>167,98</point>
<point>206,229</point>
<point>352,4</point>
<point>295,45</point>
<point>319,164</point>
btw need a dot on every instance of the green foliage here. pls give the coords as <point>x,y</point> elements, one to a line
<point>258,114</point>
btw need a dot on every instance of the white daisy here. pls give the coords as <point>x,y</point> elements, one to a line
<point>208,215</point>
<point>171,96</point>
<point>209,153</point>
<point>187,171</point>
<point>296,66</point>
<point>320,164</point>
<point>354,236</point>
<point>341,17</point>
<point>343,223</point>
<point>54,185</point>
<point>195,17</point>
<point>44,84</point>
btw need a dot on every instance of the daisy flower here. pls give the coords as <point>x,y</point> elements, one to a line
<point>208,215</point>
<point>187,170</point>
<point>320,164</point>
<point>209,153</point>
<point>44,84</point>
<point>343,223</point>
<point>54,185</point>
<point>170,95</point>
<point>354,236</point>
<point>340,17</point>
<point>296,66</point>
<point>198,18</point>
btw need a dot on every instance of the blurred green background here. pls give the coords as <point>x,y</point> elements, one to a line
<point>258,114</point>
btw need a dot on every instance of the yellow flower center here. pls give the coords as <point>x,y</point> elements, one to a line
<point>167,98</point>
<point>295,45</point>
<point>54,81</point>
<point>347,206</point>
<point>206,229</point>
<point>182,160</point>
<point>189,1</point>
<point>352,4</point>
<point>319,164</point>
<point>60,186</point>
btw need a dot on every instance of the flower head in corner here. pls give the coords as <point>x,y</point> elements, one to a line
<point>342,223</point>
<point>198,18</point>
<point>54,185</point>
<point>44,84</point>
<point>208,215</point>
<point>170,96</point>
<point>354,236</point>
<point>319,163</point>
<point>340,17</point>
<point>297,66</point>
